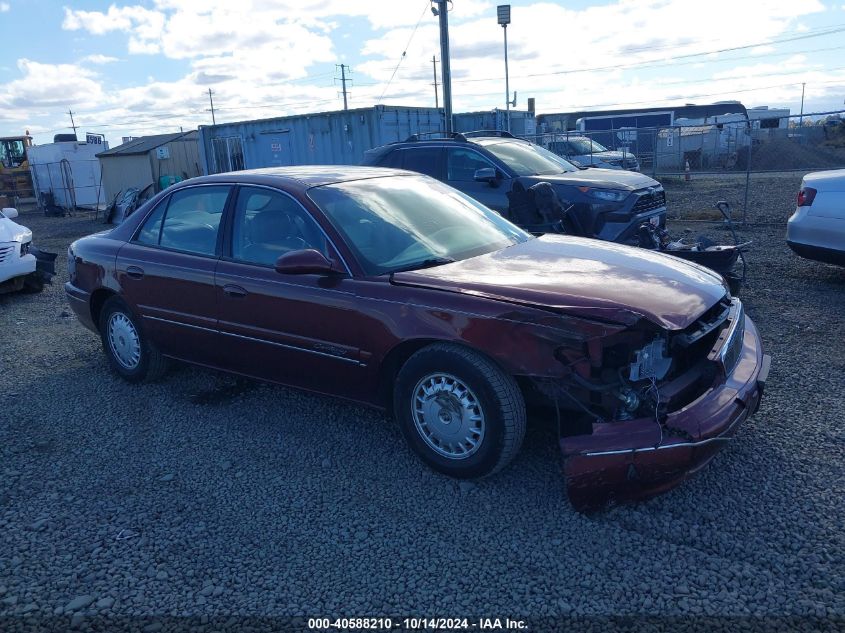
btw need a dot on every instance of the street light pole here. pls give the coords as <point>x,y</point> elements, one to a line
<point>503,12</point>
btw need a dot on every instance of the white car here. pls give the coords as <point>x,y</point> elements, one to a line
<point>22,267</point>
<point>817,228</point>
<point>588,153</point>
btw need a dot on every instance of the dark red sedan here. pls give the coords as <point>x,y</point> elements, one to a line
<point>395,290</point>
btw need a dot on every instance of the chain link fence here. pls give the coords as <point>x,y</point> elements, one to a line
<point>755,165</point>
<point>68,185</point>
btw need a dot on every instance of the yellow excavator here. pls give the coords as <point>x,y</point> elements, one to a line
<point>15,177</point>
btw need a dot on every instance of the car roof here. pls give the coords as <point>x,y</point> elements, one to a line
<point>302,176</point>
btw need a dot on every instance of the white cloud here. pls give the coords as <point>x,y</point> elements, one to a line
<point>46,85</point>
<point>260,56</point>
<point>4,7</point>
<point>145,26</point>
<point>98,59</point>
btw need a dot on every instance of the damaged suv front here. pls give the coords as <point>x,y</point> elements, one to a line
<point>659,403</point>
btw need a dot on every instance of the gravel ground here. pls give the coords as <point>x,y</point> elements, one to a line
<point>209,497</point>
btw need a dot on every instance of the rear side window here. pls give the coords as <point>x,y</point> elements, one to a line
<point>392,159</point>
<point>189,221</point>
<point>425,160</point>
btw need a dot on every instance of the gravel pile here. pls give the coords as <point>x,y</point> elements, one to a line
<point>212,498</point>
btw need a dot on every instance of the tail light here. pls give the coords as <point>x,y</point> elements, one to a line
<point>806,196</point>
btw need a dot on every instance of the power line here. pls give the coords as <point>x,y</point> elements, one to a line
<point>569,71</point>
<point>405,51</point>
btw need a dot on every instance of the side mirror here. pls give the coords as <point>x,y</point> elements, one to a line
<point>10,212</point>
<point>486,174</point>
<point>306,261</point>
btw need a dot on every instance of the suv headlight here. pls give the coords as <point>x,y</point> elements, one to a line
<point>609,195</point>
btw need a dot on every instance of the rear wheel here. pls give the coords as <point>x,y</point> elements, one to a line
<point>459,412</point>
<point>129,354</point>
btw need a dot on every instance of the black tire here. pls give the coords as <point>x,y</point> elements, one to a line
<point>150,366</point>
<point>495,392</point>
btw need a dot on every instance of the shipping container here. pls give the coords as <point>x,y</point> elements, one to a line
<point>326,138</point>
<point>523,122</point>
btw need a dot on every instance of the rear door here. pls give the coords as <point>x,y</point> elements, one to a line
<point>300,330</point>
<point>166,272</point>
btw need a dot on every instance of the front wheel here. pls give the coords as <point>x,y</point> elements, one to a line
<point>459,412</point>
<point>129,354</point>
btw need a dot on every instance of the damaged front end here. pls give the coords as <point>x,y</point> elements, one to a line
<point>650,407</point>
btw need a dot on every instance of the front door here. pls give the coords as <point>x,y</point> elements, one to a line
<point>298,329</point>
<point>461,165</point>
<point>166,272</point>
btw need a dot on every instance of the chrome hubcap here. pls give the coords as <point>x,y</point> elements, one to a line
<point>124,341</point>
<point>448,416</point>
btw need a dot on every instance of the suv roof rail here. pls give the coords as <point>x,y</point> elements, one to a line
<point>455,136</point>
<point>502,133</point>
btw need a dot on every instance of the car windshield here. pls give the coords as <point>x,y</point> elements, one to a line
<point>527,159</point>
<point>408,222</point>
<point>586,146</point>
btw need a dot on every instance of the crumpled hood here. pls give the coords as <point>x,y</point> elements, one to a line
<point>600,178</point>
<point>583,277</point>
<point>12,232</point>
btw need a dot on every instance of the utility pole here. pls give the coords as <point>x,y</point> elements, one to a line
<point>343,68</point>
<point>801,118</point>
<point>213,120</point>
<point>436,99</point>
<point>445,64</point>
<point>72,124</point>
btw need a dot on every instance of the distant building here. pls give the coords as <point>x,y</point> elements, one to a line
<point>150,161</point>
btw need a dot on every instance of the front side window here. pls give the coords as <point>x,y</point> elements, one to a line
<point>406,222</point>
<point>188,221</point>
<point>463,163</point>
<point>268,224</point>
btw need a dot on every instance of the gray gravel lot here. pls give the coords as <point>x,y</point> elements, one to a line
<point>207,496</point>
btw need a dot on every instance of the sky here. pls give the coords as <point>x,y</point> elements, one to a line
<point>145,66</point>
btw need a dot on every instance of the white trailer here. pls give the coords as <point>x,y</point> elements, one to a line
<point>70,171</point>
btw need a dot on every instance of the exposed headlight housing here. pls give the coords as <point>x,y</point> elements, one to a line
<point>25,248</point>
<point>610,195</point>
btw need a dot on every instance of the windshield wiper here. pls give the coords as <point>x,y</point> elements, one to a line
<point>431,262</point>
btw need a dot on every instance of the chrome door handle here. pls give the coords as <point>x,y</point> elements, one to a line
<point>135,272</point>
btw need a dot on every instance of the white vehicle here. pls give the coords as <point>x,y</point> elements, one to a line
<point>19,261</point>
<point>588,153</point>
<point>817,228</point>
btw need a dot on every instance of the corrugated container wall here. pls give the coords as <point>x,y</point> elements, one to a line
<point>522,121</point>
<point>328,138</point>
